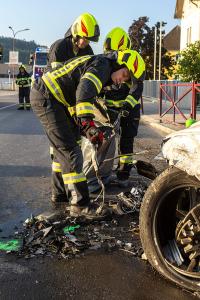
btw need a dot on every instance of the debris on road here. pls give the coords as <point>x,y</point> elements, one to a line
<point>129,202</point>
<point>146,169</point>
<point>10,245</point>
<point>57,234</point>
<point>71,237</point>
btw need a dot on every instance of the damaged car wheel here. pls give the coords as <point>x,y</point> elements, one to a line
<point>170,227</point>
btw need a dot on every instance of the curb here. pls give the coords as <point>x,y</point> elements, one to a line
<point>151,122</point>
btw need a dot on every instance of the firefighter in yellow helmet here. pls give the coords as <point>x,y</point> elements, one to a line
<point>125,96</point>
<point>85,26</point>
<point>117,39</point>
<point>76,85</point>
<point>75,43</point>
<point>76,40</point>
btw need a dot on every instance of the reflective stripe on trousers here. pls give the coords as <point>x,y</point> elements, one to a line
<point>126,159</point>
<point>62,136</point>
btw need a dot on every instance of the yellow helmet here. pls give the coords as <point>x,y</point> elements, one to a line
<point>117,39</point>
<point>86,26</point>
<point>22,67</point>
<point>133,61</point>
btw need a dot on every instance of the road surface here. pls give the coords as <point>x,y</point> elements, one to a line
<point>25,189</point>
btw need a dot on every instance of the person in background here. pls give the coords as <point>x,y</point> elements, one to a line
<point>24,83</point>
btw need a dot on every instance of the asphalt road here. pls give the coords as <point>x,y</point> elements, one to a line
<point>25,189</point>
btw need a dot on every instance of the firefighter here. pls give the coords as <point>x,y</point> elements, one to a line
<point>115,99</point>
<point>117,39</point>
<point>75,43</point>
<point>24,82</point>
<point>63,101</point>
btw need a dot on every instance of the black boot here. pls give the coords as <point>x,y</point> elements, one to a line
<point>59,198</point>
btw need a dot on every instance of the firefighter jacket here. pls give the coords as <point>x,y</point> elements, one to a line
<point>129,92</point>
<point>63,50</point>
<point>116,96</point>
<point>78,82</point>
<point>23,80</point>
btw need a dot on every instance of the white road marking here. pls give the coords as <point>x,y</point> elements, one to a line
<point>1,108</point>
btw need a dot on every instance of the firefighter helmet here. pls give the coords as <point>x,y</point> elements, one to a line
<point>22,67</point>
<point>133,61</point>
<point>117,39</point>
<point>86,26</point>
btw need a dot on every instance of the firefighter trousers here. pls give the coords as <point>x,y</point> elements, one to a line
<point>58,188</point>
<point>57,124</point>
<point>57,184</point>
<point>128,131</point>
<point>24,94</point>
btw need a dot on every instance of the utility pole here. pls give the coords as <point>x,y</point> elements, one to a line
<point>160,48</point>
<point>155,52</point>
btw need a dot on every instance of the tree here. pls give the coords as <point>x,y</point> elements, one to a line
<point>189,62</point>
<point>24,48</point>
<point>142,39</point>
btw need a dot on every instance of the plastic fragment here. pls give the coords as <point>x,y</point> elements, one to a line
<point>71,228</point>
<point>12,245</point>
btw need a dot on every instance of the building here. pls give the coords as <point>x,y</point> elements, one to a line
<point>189,13</point>
<point>171,41</point>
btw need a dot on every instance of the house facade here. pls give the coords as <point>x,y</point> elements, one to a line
<point>171,42</point>
<point>189,13</point>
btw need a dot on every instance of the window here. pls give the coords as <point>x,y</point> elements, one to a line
<point>41,59</point>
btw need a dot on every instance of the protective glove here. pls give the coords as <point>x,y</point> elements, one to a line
<point>107,132</point>
<point>95,135</point>
<point>92,133</point>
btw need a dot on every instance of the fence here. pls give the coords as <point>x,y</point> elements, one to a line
<point>152,87</point>
<point>6,84</point>
<point>174,96</point>
<point>152,90</point>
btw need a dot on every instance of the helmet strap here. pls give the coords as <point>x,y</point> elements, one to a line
<point>75,46</point>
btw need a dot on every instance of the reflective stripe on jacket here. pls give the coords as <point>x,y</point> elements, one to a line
<point>116,96</point>
<point>78,82</point>
<point>23,80</point>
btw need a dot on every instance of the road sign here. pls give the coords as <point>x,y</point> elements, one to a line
<point>13,57</point>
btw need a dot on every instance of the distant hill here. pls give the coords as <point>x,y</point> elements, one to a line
<point>25,48</point>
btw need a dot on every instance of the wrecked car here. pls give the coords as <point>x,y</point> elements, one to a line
<point>170,212</point>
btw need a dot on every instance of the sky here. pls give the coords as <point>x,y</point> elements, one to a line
<point>48,20</point>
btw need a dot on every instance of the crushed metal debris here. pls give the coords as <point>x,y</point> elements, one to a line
<point>57,234</point>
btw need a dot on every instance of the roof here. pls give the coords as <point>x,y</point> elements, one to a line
<point>179,9</point>
<point>171,40</point>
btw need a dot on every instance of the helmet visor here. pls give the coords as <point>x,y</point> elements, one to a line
<point>96,35</point>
